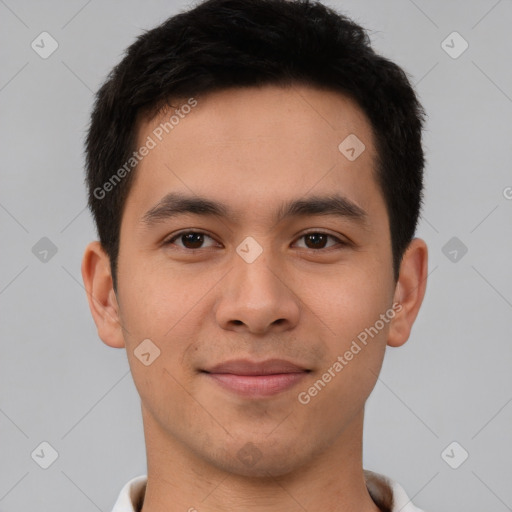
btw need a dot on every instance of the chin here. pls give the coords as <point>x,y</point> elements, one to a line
<point>260,459</point>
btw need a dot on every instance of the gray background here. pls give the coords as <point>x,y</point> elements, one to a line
<point>451,382</point>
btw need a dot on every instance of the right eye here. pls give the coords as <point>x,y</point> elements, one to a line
<point>191,240</point>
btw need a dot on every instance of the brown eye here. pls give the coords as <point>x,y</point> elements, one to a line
<point>319,240</point>
<point>315,240</point>
<point>192,240</point>
<point>189,240</point>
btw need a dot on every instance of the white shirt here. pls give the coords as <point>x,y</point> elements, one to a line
<point>131,495</point>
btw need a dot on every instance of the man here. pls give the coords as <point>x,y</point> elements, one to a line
<point>255,175</point>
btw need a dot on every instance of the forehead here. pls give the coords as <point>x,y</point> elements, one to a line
<point>290,115</point>
<point>251,146</point>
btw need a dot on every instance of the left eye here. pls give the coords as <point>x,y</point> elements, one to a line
<point>195,240</point>
<point>318,240</point>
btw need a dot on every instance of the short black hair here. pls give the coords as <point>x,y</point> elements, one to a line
<point>221,44</point>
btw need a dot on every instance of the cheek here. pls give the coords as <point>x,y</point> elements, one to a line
<point>159,339</point>
<point>348,310</point>
<point>161,301</point>
<point>355,345</point>
<point>347,299</point>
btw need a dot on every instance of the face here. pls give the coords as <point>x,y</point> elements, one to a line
<point>259,296</point>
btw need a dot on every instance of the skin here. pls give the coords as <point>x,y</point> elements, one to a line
<point>252,150</point>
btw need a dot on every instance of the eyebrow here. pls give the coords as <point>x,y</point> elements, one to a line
<point>174,204</point>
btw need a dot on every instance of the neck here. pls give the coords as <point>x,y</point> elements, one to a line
<point>179,480</point>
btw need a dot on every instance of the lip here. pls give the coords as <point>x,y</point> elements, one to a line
<point>248,367</point>
<point>256,379</point>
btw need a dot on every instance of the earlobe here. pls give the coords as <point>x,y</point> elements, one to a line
<point>97,277</point>
<point>409,291</point>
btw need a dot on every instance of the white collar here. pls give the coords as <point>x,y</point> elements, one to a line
<point>131,496</point>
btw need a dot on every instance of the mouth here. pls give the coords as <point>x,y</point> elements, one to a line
<point>256,379</point>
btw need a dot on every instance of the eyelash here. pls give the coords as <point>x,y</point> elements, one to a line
<point>339,242</point>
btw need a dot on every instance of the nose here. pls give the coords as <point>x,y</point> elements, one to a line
<point>258,298</point>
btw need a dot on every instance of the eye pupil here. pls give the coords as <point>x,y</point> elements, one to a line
<point>195,239</point>
<point>317,239</point>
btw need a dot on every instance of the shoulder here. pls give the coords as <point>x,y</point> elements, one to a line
<point>387,494</point>
<point>131,496</point>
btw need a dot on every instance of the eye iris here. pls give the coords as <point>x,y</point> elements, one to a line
<point>318,240</point>
<point>193,239</point>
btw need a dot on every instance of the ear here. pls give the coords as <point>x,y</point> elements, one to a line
<point>97,276</point>
<point>409,291</point>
